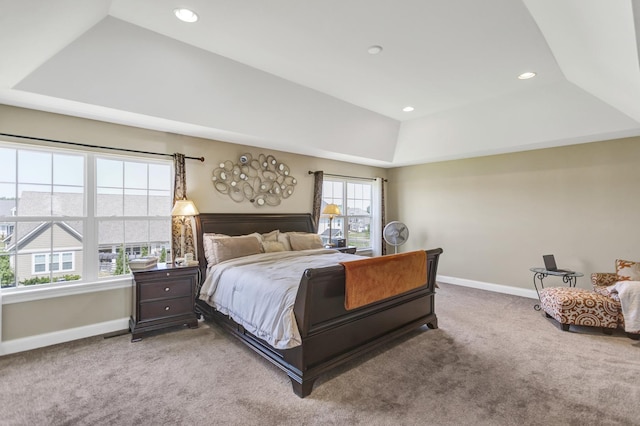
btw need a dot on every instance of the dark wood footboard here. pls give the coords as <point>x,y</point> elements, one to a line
<point>331,335</point>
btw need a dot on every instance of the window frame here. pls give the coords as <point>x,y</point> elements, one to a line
<point>343,199</point>
<point>88,248</point>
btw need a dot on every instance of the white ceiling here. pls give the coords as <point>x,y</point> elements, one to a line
<point>296,76</point>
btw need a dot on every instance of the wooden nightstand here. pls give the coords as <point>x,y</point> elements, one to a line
<point>163,297</point>
<point>350,249</point>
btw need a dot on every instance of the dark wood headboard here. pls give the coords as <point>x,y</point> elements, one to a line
<point>246,223</point>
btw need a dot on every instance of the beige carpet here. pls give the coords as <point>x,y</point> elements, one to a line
<point>493,361</point>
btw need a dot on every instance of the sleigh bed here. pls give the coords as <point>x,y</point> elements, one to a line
<point>330,334</point>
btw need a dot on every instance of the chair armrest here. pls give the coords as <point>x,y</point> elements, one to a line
<point>599,279</point>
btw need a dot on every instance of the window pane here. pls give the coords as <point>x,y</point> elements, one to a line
<point>135,175</point>
<point>7,200</point>
<point>159,203</point>
<point>109,202</point>
<point>34,167</point>
<point>110,233</point>
<point>67,261</point>
<point>159,230</point>
<point>8,169</point>
<point>68,170</point>
<point>111,248</point>
<point>6,231</point>
<point>136,232</point>
<point>39,263</point>
<point>7,269</point>
<point>34,200</point>
<point>109,173</point>
<point>67,201</point>
<point>54,264</point>
<point>160,177</point>
<point>135,202</point>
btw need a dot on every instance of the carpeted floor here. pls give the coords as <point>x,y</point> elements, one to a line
<point>493,361</point>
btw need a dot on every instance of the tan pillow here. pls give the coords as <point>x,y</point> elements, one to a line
<point>283,238</point>
<point>304,241</point>
<point>270,236</point>
<point>207,239</point>
<point>271,246</point>
<point>627,270</point>
<point>226,248</point>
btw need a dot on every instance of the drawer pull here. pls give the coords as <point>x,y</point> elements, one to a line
<point>167,289</point>
<point>168,274</point>
<point>166,308</point>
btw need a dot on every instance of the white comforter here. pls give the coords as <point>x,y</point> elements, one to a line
<point>629,292</point>
<point>259,291</point>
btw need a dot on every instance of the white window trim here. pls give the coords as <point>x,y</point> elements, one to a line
<point>375,228</point>
<point>90,281</point>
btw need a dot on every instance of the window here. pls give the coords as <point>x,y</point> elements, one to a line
<point>48,262</point>
<point>77,216</point>
<point>355,198</point>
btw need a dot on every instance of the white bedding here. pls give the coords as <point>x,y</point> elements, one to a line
<point>629,292</point>
<point>259,291</point>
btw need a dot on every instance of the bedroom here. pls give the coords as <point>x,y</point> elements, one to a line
<point>496,215</point>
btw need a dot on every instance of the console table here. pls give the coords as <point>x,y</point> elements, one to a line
<point>539,274</point>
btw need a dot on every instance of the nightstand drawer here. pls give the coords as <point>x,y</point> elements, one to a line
<point>165,308</point>
<point>180,287</point>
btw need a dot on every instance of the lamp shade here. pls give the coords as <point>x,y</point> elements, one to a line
<point>184,208</point>
<point>331,209</point>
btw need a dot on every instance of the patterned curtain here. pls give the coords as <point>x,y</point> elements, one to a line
<point>317,197</point>
<point>383,218</point>
<point>180,193</point>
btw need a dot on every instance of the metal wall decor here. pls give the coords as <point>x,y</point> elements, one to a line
<point>262,181</point>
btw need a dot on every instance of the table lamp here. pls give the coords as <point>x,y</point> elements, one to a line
<point>181,209</point>
<point>331,210</point>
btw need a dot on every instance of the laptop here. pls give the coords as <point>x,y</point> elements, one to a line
<point>550,264</point>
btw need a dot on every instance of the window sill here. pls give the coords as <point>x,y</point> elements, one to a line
<point>22,294</point>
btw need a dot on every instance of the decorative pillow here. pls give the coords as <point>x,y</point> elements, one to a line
<point>225,248</point>
<point>271,246</point>
<point>283,238</point>
<point>207,237</point>
<point>304,241</point>
<point>270,236</point>
<point>627,270</point>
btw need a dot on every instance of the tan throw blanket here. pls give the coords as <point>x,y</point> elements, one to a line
<point>376,278</point>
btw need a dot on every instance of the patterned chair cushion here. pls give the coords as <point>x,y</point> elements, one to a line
<point>577,306</point>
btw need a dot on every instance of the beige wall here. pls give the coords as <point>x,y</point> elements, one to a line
<point>496,216</point>
<point>28,318</point>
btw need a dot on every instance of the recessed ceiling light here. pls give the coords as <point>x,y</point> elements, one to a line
<point>527,75</point>
<point>186,15</point>
<point>374,50</point>
<point>408,109</point>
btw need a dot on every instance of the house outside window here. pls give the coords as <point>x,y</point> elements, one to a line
<point>354,197</point>
<point>79,216</point>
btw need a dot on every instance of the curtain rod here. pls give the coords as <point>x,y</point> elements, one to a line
<point>348,177</point>
<point>96,146</point>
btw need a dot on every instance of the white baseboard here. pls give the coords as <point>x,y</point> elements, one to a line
<point>516,291</point>
<point>47,339</point>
